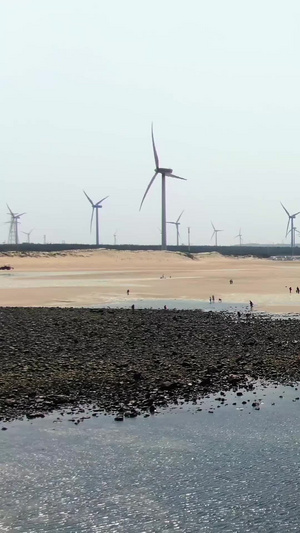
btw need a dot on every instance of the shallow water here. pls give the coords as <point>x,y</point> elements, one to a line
<point>179,304</point>
<point>234,470</point>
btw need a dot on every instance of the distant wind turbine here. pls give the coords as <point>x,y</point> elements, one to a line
<point>177,224</point>
<point>164,172</point>
<point>115,238</point>
<point>95,207</point>
<point>28,233</point>
<point>13,237</point>
<point>215,234</point>
<point>239,235</point>
<point>290,221</point>
<point>189,237</point>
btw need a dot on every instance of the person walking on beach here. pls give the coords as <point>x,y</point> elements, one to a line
<point>251,305</point>
<point>213,299</point>
<point>290,289</point>
<point>127,292</point>
<point>297,290</point>
<point>210,299</point>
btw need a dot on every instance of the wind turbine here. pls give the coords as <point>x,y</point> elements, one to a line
<point>189,237</point>
<point>165,172</point>
<point>290,221</point>
<point>28,233</point>
<point>215,234</point>
<point>177,224</point>
<point>95,207</point>
<point>115,238</point>
<point>239,235</point>
<point>13,236</point>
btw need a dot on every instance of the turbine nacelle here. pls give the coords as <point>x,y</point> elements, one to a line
<point>165,171</point>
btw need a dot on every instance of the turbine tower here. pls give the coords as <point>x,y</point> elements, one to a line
<point>290,221</point>
<point>28,233</point>
<point>215,234</point>
<point>13,237</point>
<point>165,172</point>
<point>95,207</point>
<point>177,224</point>
<point>239,236</point>
<point>115,238</point>
<point>189,237</point>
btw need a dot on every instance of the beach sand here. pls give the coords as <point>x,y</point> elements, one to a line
<point>84,278</point>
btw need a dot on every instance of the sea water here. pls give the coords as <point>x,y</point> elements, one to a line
<point>191,468</point>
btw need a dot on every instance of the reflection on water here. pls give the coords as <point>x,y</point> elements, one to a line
<point>235,469</point>
<point>179,304</point>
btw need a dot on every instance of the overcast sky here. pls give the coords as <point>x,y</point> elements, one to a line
<point>81,81</point>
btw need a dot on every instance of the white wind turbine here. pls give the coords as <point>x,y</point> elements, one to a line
<point>239,236</point>
<point>95,207</point>
<point>177,224</point>
<point>290,221</point>
<point>28,233</point>
<point>215,234</point>
<point>165,172</point>
<point>13,237</point>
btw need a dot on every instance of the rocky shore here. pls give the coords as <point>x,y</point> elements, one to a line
<point>131,363</point>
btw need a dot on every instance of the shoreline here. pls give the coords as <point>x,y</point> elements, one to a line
<point>129,363</point>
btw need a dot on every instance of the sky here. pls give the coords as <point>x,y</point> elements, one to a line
<point>81,82</point>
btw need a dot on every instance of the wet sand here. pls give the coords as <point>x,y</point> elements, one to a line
<point>102,277</point>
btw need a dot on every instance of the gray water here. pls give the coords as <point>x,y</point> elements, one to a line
<point>234,469</point>
<point>179,304</point>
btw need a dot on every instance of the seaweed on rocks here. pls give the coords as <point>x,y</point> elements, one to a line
<point>131,363</point>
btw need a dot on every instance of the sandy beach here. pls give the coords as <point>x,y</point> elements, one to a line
<point>88,278</point>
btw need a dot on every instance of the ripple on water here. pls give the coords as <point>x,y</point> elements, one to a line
<point>183,470</point>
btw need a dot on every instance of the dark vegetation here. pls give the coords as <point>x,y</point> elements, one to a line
<point>257,251</point>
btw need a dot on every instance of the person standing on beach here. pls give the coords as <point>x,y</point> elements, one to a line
<point>251,305</point>
<point>290,289</point>
<point>213,299</point>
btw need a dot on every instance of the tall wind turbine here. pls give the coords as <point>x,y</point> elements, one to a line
<point>13,237</point>
<point>28,233</point>
<point>215,234</point>
<point>165,172</point>
<point>95,207</point>
<point>177,224</point>
<point>239,236</point>
<point>290,221</point>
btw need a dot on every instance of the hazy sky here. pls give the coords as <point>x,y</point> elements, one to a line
<point>81,81</point>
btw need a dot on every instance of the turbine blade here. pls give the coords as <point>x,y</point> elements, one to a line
<point>9,209</point>
<point>92,219</point>
<point>288,225</point>
<point>213,226</point>
<point>152,180</point>
<point>100,201</point>
<point>212,235</point>
<point>88,198</point>
<point>180,216</point>
<point>20,214</point>
<point>154,149</point>
<point>295,214</point>
<point>285,210</point>
<point>177,177</point>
